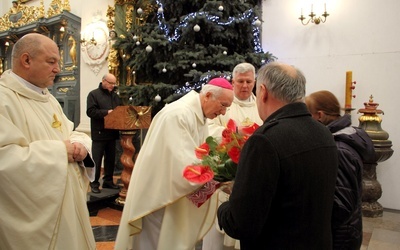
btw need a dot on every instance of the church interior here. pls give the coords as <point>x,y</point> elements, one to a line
<point>349,48</point>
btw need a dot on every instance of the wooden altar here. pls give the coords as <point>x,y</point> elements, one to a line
<point>129,120</point>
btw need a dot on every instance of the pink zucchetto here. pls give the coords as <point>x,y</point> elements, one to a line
<point>221,82</point>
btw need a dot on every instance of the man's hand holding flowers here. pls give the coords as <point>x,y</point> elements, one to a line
<point>218,160</point>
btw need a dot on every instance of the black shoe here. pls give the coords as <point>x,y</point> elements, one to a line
<point>110,184</point>
<point>96,190</point>
<point>95,187</point>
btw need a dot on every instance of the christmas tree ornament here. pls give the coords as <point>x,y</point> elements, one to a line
<point>196,28</point>
<point>194,65</point>
<point>221,8</point>
<point>164,70</point>
<point>149,48</point>
<point>157,98</point>
<point>133,72</point>
<point>140,11</point>
<point>134,38</point>
<point>225,53</point>
<point>160,10</point>
<point>228,78</point>
<point>130,98</point>
<point>137,43</point>
<point>257,23</point>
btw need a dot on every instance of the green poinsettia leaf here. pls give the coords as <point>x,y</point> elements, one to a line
<point>212,143</point>
<point>225,172</point>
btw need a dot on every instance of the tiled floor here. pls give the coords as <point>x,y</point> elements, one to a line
<point>382,233</point>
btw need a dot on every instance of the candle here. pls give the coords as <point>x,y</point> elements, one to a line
<point>325,7</point>
<point>349,89</point>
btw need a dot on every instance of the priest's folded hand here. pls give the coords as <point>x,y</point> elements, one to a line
<point>80,152</point>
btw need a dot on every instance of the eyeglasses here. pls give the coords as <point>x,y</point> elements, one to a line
<point>112,83</point>
<point>223,105</point>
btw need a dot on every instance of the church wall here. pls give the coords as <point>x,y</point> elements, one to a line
<point>359,36</point>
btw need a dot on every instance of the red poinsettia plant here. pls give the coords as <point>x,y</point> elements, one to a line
<point>219,159</point>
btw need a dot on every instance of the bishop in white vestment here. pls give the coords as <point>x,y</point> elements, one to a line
<point>157,194</point>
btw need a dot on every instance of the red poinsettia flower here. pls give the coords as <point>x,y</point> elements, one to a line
<point>198,173</point>
<point>202,150</point>
<point>248,130</point>
<point>229,131</point>
<point>234,154</point>
<point>219,156</point>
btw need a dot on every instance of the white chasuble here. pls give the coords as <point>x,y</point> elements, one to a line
<point>43,197</point>
<point>157,180</point>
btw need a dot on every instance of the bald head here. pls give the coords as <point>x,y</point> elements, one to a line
<point>108,81</point>
<point>32,43</point>
<point>35,58</point>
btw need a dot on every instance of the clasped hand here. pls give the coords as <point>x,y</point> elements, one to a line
<point>75,151</point>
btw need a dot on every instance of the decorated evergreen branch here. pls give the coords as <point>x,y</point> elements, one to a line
<point>184,44</point>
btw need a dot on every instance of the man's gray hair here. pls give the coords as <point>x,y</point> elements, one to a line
<point>215,90</point>
<point>285,85</point>
<point>243,68</point>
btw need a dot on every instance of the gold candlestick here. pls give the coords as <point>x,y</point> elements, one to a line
<point>348,92</point>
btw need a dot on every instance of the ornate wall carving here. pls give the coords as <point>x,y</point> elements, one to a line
<point>61,26</point>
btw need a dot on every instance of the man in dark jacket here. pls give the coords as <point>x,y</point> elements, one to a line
<point>354,146</point>
<point>101,102</point>
<point>283,191</point>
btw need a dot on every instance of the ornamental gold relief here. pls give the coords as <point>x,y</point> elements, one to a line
<point>21,14</point>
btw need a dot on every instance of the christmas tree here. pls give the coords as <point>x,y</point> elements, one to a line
<point>169,47</point>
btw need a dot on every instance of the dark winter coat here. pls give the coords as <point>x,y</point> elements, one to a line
<point>283,191</point>
<point>99,101</point>
<point>354,146</point>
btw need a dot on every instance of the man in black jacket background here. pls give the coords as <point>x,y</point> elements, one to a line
<point>101,102</point>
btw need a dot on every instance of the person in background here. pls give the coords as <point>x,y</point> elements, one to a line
<point>45,166</point>
<point>244,112</point>
<point>101,102</point>
<point>158,214</point>
<point>244,108</point>
<point>283,191</point>
<point>354,146</point>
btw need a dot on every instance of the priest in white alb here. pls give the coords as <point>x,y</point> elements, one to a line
<point>45,166</point>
